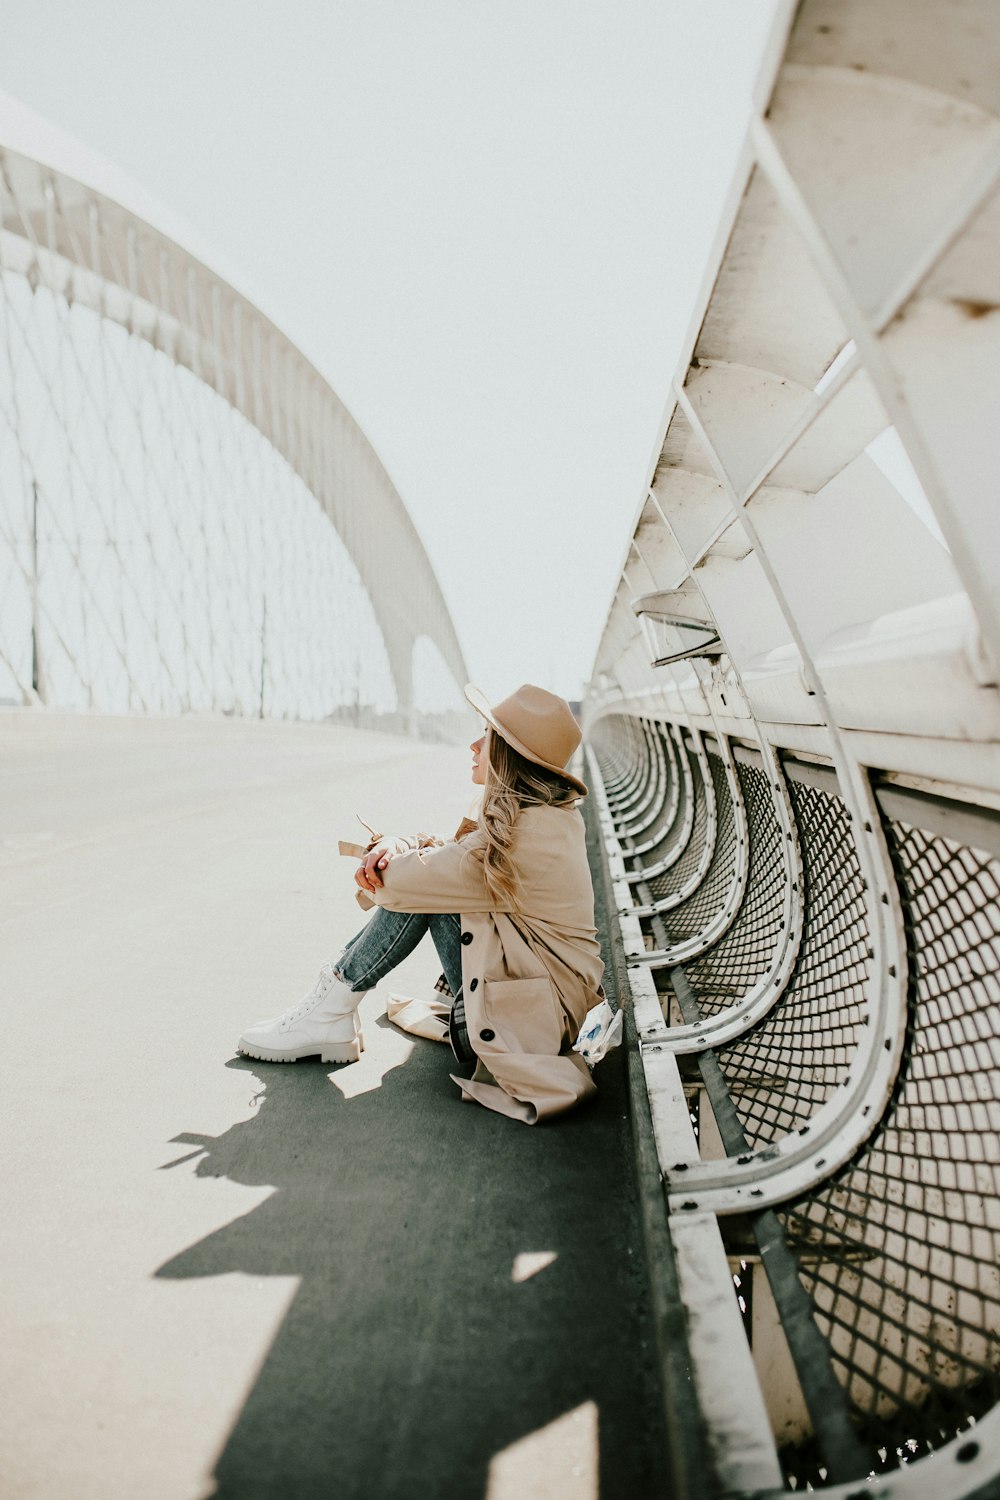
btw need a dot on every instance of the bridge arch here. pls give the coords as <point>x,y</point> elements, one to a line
<point>106,307</point>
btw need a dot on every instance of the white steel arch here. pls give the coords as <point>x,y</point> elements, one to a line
<point>70,231</point>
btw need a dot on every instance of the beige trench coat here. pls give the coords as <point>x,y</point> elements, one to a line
<point>529,975</point>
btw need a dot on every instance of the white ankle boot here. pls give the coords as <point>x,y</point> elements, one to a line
<point>324,1021</point>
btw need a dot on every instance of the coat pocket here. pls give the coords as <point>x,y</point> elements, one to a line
<point>526,1014</point>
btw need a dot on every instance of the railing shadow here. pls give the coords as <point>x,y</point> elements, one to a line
<point>410,1357</point>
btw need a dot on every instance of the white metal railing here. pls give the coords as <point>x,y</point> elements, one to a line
<point>820,500</point>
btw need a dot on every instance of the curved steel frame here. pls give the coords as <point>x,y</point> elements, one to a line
<point>723,919</point>
<point>90,249</point>
<point>825,326</point>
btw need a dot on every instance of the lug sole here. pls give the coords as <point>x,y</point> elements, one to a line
<point>342,1052</point>
<point>332,1052</point>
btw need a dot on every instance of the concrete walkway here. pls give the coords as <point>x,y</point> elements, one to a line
<point>224,1278</point>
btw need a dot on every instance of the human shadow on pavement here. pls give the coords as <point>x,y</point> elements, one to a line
<point>409,1357</point>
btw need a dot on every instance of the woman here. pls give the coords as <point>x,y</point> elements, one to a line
<point>510,907</point>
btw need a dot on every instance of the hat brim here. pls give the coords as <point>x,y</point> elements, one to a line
<point>481,704</point>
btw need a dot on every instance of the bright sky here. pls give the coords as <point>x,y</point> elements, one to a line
<point>486,225</point>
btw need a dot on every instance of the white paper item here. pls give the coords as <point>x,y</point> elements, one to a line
<point>599,1034</point>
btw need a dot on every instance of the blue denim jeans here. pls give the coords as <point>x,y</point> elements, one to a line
<point>390,936</point>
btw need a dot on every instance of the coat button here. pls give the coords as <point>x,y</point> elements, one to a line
<point>466,937</point>
<point>487,1035</point>
<point>473,983</point>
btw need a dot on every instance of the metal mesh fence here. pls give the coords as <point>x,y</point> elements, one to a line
<point>640,798</point>
<point>901,1252</point>
<point>783,1071</point>
<point>690,917</point>
<point>741,958</point>
<point>665,829</point>
<point>694,849</point>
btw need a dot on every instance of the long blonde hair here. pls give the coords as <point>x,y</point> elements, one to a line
<point>512,783</point>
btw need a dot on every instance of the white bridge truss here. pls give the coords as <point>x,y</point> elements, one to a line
<point>795,742</point>
<point>189,516</point>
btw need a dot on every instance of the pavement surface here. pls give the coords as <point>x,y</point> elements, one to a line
<point>242,1279</point>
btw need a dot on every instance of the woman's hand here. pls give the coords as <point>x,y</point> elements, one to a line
<point>368,875</point>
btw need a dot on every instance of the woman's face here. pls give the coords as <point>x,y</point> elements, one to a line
<point>479,758</point>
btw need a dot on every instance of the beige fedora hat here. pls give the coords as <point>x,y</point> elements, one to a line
<point>537,724</point>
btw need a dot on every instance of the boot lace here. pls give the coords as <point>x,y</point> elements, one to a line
<point>305,1005</point>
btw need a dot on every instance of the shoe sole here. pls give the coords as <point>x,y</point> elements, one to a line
<point>333,1052</point>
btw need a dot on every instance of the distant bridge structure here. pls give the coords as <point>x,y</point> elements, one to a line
<point>190,518</point>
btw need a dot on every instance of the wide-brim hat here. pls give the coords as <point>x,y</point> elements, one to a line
<point>537,724</point>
